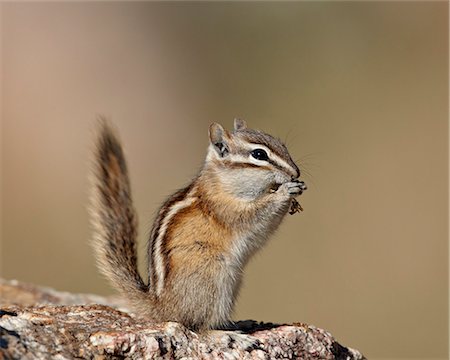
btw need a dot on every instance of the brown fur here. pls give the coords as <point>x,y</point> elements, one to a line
<point>113,217</point>
<point>202,236</point>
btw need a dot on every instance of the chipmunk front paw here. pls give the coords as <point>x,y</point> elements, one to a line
<point>293,188</point>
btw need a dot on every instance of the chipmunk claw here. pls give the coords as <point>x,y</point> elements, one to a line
<point>295,187</point>
<point>300,183</point>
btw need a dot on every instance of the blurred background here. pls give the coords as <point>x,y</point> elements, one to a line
<point>358,90</point>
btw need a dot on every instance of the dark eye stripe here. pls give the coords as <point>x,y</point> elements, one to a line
<point>274,164</point>
<point>261,154</point>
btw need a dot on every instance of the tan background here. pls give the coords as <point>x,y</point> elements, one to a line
<point>358,90</point>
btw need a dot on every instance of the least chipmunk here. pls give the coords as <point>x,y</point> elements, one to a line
<point>203,235</point>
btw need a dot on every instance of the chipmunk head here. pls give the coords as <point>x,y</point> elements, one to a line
<point>249,162</point>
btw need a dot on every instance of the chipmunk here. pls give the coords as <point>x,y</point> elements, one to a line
<point>203,235</point>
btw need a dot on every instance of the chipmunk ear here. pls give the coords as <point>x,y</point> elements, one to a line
<point>239,124</point>
<point>218,138</point>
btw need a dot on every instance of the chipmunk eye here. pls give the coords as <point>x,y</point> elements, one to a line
<point>260,154</point>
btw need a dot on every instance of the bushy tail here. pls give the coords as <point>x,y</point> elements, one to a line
<point>113,217</point>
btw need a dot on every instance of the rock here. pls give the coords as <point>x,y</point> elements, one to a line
<point>42,323</point>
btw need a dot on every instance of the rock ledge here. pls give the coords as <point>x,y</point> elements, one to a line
<point>42,323</point>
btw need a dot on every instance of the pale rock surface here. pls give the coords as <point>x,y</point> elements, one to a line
<point>42,323</point>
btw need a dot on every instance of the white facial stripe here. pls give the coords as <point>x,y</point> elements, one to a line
<point>252,146</point>
<point>239,158</point>
<point>274,157</point>
<point>280,161</point>
<point>159,264</point>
